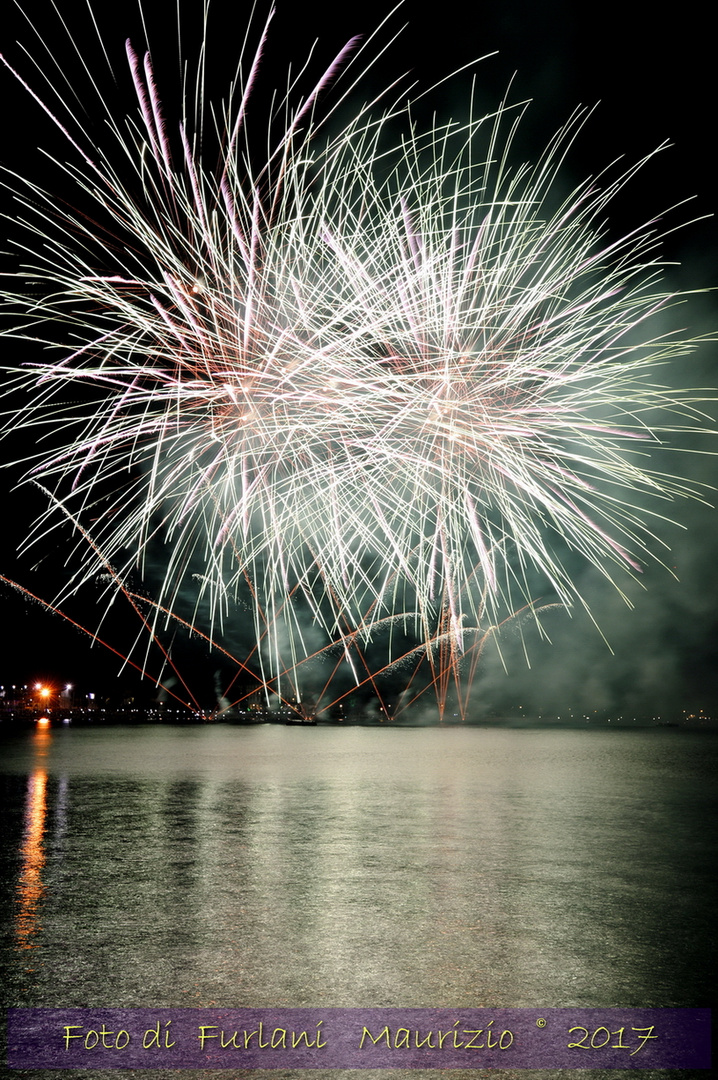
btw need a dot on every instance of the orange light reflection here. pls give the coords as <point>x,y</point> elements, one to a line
<point>30,887</point>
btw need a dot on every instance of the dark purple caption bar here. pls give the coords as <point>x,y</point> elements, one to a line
<point>359,1038</point>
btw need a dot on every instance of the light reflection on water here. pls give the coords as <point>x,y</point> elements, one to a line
<point>30,887</point>
<point>275,866</point>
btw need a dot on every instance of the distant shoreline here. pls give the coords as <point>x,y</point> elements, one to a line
<point>180,718</point>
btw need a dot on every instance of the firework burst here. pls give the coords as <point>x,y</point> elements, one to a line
<point>357,381</point>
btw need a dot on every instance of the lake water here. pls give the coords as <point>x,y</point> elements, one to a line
<point>327,866</point>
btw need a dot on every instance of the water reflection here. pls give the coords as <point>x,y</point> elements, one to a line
<point>30,887</point>
<point>258,867</point>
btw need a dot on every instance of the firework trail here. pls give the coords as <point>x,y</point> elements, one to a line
<point>356,381</point>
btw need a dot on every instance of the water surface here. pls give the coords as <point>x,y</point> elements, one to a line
<point>278,866</point>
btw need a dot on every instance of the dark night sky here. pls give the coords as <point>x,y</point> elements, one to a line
<point>652,80</point>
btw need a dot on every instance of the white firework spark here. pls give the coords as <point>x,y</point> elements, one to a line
<point>383,380</point>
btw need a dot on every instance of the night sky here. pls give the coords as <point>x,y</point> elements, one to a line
<point>651,81</point>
